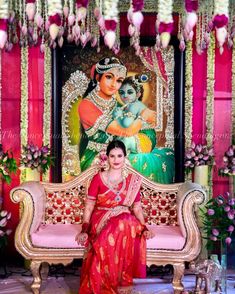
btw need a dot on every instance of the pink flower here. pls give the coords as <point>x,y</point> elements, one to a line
<point>227,208</point>
<point>210,211</point>
<point>213,238</point>
<point>230,228</point>
<point>215,232</point>
<point>230,215</point>
<point>228,240</point>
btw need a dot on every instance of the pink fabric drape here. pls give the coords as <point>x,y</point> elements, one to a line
<point>11,125</point>
<point>148,54</point>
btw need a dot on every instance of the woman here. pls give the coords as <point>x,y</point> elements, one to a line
<point>153,162</point>
<point>95,110</point>
<point>116,236</point>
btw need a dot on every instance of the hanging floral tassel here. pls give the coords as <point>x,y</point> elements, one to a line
<point>81,6</point>
<point>4,13</point>
<point>110,22</point>
<point>220,21</point>
<point>135,18</point>
<point>191,7</point>
<point>165,22</point>
<point>30,9</point>
<point>54,13</point>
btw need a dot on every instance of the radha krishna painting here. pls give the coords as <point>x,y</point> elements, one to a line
<point>127,97</point>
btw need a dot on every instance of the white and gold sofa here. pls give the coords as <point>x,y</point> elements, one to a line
<point>52,214</point>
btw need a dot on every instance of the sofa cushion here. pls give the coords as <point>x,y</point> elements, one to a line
<point>63,236</point>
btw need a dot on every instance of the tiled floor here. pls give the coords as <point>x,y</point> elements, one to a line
<point>19,283</point>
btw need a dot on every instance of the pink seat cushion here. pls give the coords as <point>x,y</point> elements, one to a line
<point>166,237</point>
<point>63,236</point>
<point>56,236</point>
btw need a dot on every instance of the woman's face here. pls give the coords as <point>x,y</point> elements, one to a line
<point>128,93</point>
<point>116,158</point>
<point>111,82</point>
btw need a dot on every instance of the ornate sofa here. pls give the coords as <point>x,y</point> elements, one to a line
<point>52,213</point>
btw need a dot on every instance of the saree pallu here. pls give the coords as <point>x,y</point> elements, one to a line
<point>117,250</point>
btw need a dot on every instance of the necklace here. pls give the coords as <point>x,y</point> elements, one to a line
<point>103,104</point>
<point>115,190</point>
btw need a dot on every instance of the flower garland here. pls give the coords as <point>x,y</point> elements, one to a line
<point>165,22</point>
<point>188,95</point>
<point>210,101</point>
<point>24,103</point>
<point>47,103</point>
<point>30,9</point>
<point>135,18</point>
<point>220,21</point>
<point>110,13</point>
<point>54,12</point>
<point>4,14</point>
<point>191,8</point>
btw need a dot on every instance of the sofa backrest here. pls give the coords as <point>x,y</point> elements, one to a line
<point>66,204</point>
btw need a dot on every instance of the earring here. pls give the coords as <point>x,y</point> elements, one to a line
<point>97,86</point>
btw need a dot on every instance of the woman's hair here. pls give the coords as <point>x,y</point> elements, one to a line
<point>116,144</point>
<point>105,64</point>
<point>137,83</point>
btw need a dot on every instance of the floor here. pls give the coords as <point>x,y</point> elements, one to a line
<point>67,282</point>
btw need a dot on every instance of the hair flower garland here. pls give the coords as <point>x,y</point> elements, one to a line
<point>4,14</point>
<point>191,7</point>
<point>220,21</point>
<point>54,12</point>
<point>165,22</point>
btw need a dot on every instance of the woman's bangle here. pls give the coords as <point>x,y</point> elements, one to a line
<point>85,227</point>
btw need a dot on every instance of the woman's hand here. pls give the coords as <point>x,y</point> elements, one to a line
<point>82,238</point>
<point>148,234</point>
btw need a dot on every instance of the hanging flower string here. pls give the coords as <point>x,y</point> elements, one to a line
<point>220,21</point>
<point>54,13</point>
<point>135,18</point>
<point>191,7</point>
<point>4,14</point>
<point>30,9</point>
<point>110,22</point>
<point>165,22</point>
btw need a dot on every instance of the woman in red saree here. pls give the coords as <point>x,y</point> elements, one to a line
<point>115,234</point>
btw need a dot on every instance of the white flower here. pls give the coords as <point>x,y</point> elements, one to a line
<point>165,8</point>
<point>111,10</point>
<point>3,222</point>
<point>3,213</point>
<point>221,7</point>
<point>8,232</point>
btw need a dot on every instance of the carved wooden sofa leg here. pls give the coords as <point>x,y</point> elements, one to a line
<point>177,278</point>
<point>35,269</point>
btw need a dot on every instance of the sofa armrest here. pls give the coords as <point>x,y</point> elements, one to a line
<point>33,197</point>
<point>189,195</point>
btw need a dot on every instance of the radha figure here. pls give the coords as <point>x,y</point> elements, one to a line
<point>113,229</point>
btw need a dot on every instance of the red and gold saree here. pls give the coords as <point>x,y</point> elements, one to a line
<point>116,251</point>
